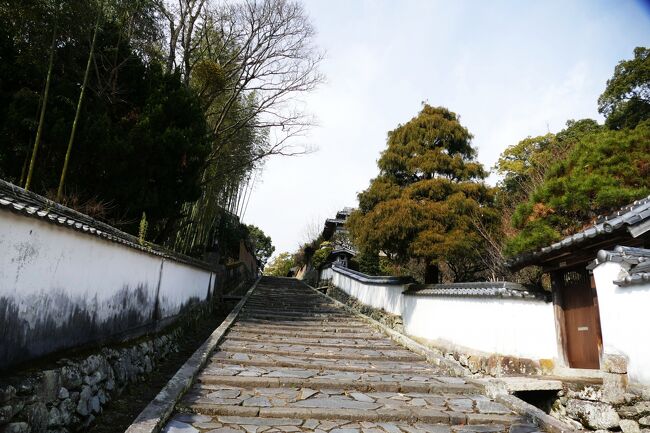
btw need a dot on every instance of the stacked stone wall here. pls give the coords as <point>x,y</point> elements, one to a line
<point>613,406</point>
<point>69,394</point>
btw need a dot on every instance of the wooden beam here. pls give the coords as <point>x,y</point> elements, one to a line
<point>560,330</point>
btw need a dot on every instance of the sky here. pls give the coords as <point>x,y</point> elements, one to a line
<point>510,69</point>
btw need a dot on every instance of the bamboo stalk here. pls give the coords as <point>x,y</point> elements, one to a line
<point>66,161</point>
<point>41,119</point>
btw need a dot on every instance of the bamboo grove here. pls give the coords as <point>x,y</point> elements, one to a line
<point>152,110</point>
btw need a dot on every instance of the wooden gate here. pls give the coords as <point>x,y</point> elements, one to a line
<point>581,319</point>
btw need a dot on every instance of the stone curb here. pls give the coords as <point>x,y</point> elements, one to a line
<point>153,417</point>
<point>536,415</point>
<point>431,356</point>
<point>432,416</point>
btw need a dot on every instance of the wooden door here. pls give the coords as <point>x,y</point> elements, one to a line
<point>581,319</point>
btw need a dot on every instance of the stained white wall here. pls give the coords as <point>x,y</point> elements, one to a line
<point>523,328</point>
<point>508,326</point>
<point>180,282</point>
<point>60,287</point>
<point>624,319</point>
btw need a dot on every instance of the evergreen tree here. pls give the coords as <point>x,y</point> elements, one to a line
<point>262,243</point>
<point>428,197</point>
<point>605,170</point>
<point>626,100</point>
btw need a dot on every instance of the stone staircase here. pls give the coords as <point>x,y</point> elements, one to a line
<point>296,362</point>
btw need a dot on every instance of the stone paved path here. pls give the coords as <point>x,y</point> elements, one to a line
<point>296,362</point>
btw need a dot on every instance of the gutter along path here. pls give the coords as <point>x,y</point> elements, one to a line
<point>295,361</point>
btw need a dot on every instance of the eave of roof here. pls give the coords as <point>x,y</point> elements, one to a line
<point>634,217</point>
<point>638,260</point>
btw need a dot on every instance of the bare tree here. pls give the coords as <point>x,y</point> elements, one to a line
<point>261,53</point>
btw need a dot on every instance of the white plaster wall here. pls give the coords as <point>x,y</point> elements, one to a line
<point>508,326</point>
<point>60,287</point>
<point>181,283</point>
<point>39,257</point>
<point>624,319</point>
<point>385,297</point>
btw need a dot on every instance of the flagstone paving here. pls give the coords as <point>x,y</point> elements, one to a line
<point>296,362</point>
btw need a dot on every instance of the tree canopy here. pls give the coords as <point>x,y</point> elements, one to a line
<point>626,99</point>
<point>605,170</point>
<point>428,197</point>
<point>280,266</point>
<point>557,184</point>
<point>262,243</point>
<point>171,106</point>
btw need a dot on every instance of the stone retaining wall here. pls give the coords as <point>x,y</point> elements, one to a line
<point>67,397</point>
<point>587,407</point>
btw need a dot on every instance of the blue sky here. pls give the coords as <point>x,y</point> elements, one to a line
<point>510,69</point>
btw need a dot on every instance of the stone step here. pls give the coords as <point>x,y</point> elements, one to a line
<point>278,315</point>
<point>258,424</point>
<point>370,335</point>
<point>331,403</point>
<point>292,310</point>
<point>288,379</point>
<point>271,329</point>
<point>316,352</point>
<point>299,326</point>
<point>261,323</point>
<point>295,362</point>
<point>330,373</point>
<point>320,342</point>
<point>353,366</point>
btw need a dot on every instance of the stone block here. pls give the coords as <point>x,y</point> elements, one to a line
<point>6,413</point>
<point>594,415</point>
<point>7,392</point>
<point>71,377</point>
<point>614,364</point>
<point>642,408</point>
<point>17,427</point>
<point>37,417</point>
<point>49,385</point>
<point>63,393</point>
<point>614,388</point>
<point>91,364</point>
<point>645,421</point>
<point>629,426</point>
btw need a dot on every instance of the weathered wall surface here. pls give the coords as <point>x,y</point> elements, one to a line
<point>624,319</point>
<point>507,326</point>
<point>247,258</point>
<point>62,288</point>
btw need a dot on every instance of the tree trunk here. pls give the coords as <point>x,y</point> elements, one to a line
<point>66,161</point>
<point>41,119</point>
<point>431,274</point>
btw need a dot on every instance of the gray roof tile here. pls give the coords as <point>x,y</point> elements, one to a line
<point>16,199</point>
<point>630,215</point>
